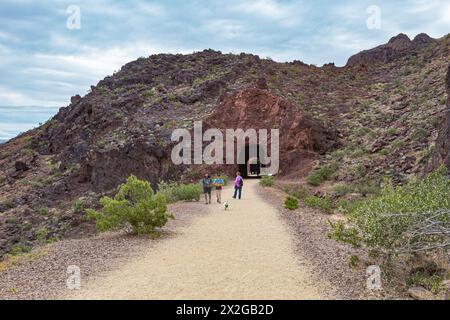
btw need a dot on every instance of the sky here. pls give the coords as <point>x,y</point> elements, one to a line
<point>51,50</point>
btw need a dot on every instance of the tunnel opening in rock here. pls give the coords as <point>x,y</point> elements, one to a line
<point>252,164</point>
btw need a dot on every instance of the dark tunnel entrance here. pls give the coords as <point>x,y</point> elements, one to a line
<point>252,166</point>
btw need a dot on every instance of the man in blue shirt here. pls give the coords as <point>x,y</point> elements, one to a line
<point>207,184</point>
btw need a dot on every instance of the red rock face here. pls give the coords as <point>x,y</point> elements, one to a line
<point>301,137</point>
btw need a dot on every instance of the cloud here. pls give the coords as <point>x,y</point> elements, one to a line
<point>288,14</point>
<point>14,98</point>
<point>268,8</point>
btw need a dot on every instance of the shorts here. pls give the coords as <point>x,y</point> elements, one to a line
<point>207,190</point>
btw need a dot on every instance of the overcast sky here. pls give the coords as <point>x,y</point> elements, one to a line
<point>43,62</point>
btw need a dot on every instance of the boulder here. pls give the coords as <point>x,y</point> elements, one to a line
<point>21,166</point>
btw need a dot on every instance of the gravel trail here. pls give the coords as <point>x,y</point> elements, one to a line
<point>244,253</point>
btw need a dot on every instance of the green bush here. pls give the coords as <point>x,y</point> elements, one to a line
<point>353,261</point>
<point>194,175</point>
<point>174,192</point>
<point>188,192</point>
<point>134,205</point>
<point>19,249</point>
<point>291,203</point>
<point>322,174</point>
<point>225,179</point>
<point>79,204</point>
<point>41,235</point>
<point>432,282</point>
<point>43,211</point>
<point>267,181</point>
<point>8,203</point>
<point>402,219</point>
<point>325,204</point>
<point>368,188</point>
<point>167,189</point>
<point>342,189</point>
<point>298,192</point>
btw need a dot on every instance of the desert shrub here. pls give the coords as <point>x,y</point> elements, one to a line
<point>357,153</point>
<point>79,204</point>
<point>341,233</point>
<point>344,206</point>
<point>194,175</point>
<point>430,282</point>
<point>225,178</point>
<point>360,171</point>
<point>135,205</point>
<point>325,204</point>
<point>392,131</point>
<point>43,211</point>
<point>298,192</point>
<point>174,192</point>
<point>367,188</point>
<point>41,235</point>
<point>322,174</point>
<point>8,203</point>
<point>19,249</point>
<point>403,219</point>
<point>167,188</point>
<point>342,189</point>
<point>267,181</point>
<point>353,261</point>
<point>291,203</point>
<point>337,154</point>
<point>420,134</point>
<point>188,192</point>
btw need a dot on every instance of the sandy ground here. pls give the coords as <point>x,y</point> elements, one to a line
<point>244,253</point>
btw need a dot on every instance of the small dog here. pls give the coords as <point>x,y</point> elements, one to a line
<point>226,205</point>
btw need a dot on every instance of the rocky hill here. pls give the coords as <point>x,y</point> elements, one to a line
<point>377,117</point>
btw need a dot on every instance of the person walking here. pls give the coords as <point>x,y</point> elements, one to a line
<point>206,182</point>
<point>218,183</point>
<point>238,184</point>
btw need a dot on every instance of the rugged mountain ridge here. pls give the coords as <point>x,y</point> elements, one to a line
<point>397,46</point>
<point>377,117</point>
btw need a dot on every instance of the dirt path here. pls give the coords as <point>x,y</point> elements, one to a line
<point>243,253</point>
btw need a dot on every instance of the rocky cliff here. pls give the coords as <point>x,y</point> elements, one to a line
<point>442,155</point>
